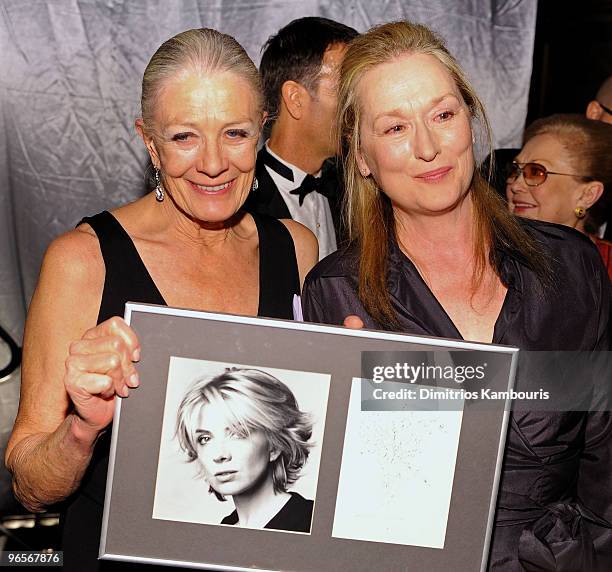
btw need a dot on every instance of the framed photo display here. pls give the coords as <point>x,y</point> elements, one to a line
<point>261,444</point>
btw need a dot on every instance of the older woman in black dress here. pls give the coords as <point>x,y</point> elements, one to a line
<point>188,244</point>
<point>434,252</point>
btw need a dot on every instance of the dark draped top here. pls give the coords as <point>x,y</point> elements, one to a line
<point>554,504</point>
<point>295,515</point>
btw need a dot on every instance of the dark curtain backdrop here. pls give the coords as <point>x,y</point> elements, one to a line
<point>70,74</point>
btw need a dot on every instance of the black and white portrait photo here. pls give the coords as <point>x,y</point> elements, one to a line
<point>240,445</point>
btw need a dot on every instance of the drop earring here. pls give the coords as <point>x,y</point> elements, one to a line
<point>255,185</point>
<point>159,189</point>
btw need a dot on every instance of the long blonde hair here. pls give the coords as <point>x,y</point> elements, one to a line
<point>368,213</point>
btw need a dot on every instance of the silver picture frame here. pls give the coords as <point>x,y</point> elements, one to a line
<point>397,486</point>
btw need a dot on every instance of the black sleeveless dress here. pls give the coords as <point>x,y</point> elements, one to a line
<point>127,279</point>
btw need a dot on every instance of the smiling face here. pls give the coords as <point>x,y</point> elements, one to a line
<point>557,197</point>
<point>415,135</point>
<point>233,464</point>
<point>206,128</point>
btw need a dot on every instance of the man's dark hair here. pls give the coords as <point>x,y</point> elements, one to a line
<point>295,53</point>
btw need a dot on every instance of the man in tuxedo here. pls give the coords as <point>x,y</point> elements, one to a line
<point>296,171</point>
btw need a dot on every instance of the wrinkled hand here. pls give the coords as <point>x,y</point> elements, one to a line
<point>353,322</point>
<point>100,366</point>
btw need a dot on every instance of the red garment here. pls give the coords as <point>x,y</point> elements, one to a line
<point>605,249</point>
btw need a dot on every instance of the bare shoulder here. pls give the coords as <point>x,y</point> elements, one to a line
<point>71,282</point>
<point>74,256</point>
<point>301,234</point>
<point>306,246</point>
<point>79,243</point>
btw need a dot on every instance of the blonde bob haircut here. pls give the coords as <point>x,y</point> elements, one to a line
<point>253,400</point>
<point>368,212</point>
<point>202,50</point>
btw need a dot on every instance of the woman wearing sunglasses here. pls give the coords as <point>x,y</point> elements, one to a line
<point>563,175</point>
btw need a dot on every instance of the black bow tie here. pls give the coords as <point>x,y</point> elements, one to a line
<point>327,184</point>
<point>308,185</point>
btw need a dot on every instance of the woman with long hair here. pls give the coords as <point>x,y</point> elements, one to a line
<point>434,251</point>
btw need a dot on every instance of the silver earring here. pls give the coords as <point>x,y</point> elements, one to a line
<point>255,184</point>
<point>159,189</point>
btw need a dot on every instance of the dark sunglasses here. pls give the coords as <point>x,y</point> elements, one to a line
<point>534,174</point>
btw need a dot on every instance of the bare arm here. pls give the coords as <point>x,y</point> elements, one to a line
<point>68,388</point>
<point>48,467</point>
<point>306,247</point>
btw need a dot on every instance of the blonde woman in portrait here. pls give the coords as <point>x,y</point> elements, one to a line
<point>250,440</point>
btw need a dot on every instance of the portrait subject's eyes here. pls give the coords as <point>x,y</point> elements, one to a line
<point>203,438</point>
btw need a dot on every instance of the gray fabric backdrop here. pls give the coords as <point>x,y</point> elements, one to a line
<point>70,75</point>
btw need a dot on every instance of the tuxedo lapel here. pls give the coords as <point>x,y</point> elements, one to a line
<point>267,199</point>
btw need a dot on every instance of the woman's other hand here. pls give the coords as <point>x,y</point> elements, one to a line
<point>353,322</point>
